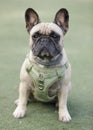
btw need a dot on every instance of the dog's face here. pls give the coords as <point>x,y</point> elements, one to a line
<point>46,39</point>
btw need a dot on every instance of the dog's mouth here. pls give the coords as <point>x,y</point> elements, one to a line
<point>45,55</point>
<point>47,61</point>
<point>47,58</point>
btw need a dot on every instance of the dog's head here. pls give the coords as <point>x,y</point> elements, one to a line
<point>46,39</point>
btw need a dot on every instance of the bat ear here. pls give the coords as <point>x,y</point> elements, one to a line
<point>31,18</point>
<point>62,19</point>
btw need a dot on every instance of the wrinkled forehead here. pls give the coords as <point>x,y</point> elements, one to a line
<point>46,29</point>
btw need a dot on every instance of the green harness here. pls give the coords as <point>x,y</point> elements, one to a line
<point>43,78</point>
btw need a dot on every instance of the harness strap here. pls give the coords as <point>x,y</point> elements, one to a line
<point>44,78</point>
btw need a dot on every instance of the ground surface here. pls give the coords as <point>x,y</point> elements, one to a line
<point>13,48</point>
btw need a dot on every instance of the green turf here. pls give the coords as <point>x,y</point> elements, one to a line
<point>13,48</point>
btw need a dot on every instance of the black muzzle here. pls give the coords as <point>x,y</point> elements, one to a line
<point>45,47</point>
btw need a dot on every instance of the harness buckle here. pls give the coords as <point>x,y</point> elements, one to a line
<point>58,74</point>
<point>28,69</point>
<point>41,82</point>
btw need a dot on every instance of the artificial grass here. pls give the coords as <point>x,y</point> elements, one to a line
<point>13,49</point>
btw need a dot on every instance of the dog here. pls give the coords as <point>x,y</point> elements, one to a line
<point>46,72</point>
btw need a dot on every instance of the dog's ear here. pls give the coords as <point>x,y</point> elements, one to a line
<point>31,18</point>
<point>62,19</point>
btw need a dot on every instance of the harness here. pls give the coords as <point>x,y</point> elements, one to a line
<point>43,78</point>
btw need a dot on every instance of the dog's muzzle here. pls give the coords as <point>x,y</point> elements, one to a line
<point>45,47</point>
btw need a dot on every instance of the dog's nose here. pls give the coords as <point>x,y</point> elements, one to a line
<point>44,40</point>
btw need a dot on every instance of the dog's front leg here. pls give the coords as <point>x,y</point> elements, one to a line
<point>20,111</point>
<point>62,100</point>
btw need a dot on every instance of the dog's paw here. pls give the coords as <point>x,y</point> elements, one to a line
<point>19,112</point>
<point>64,116</point>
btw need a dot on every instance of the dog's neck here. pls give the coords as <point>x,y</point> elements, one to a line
<point>53,62</point>
<point>60,60</point>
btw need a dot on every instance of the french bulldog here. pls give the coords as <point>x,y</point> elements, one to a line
<point>46,72</point>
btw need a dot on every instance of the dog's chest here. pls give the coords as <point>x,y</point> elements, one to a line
<point>45,81</point>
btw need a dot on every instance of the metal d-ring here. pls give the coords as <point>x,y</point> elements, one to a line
<point>41,82</point>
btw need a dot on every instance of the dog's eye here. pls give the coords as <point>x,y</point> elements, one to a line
<point>55,35</point>
<point>36,35</point>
